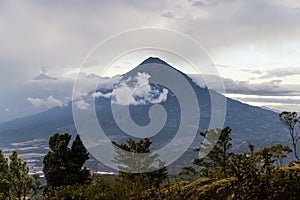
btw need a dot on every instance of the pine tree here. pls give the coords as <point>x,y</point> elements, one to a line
<point>4,179</point>
<point>64,165</point>
<point>218,158</point>
<point>18,177</point>
<point>157,172</point>
<point>79,155</point>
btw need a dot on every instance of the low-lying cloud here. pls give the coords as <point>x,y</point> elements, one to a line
<point>135,91</point>
<point>281,72</point>
<point>48,102</point>
<point>81,104</point>
<point>267,88</point>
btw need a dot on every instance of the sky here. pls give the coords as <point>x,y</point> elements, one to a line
<point>255,45</point>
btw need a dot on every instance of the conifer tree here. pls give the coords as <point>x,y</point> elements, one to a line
<point>64,165</point>
<point>155,175</point>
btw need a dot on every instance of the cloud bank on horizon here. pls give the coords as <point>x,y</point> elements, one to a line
<point>255,44</point>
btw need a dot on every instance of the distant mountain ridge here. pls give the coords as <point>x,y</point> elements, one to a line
<point>43,76</point>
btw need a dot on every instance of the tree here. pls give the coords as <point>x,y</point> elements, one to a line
<point>18,176</point>
<point>15,183</point>
<point>246,184</point>
<point>36,187</point>
<point>268,156</point>
<point>256,176</point>
<point>153,177</point>
<point>187,173</point>
<point>79,155</point>
<point>55,162</point>
<point>4,178</point>
<point>290,120</point>
<point>217,160</point>
<point>64,165</point>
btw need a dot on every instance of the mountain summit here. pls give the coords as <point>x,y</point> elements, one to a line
<point>155,60</point>
<point>43,76</point>
<point>152,64</point>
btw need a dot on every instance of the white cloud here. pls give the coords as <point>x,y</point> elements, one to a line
<point>100,94</point>
<point>109,83</point>
<point>49,102</point>
<point>135,91</point>
<point>88,83</point>
<point>162,97</point>
<point>82,104</point>
<point>37,96</point>
<point>138,93</point>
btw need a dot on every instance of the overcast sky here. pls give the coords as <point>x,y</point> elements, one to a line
<point>255,44</point>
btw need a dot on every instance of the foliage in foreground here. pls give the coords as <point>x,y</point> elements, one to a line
<point>281,183</point>
<point>63,165</point>
<point>15,183</point>
<point>252,175</point>
<point>221,175</point>
<point>140,159</point>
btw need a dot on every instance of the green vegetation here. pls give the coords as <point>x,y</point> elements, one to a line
<point>221,174</point>
<point>151,178</point>
<point>64,165</point>
<point>15,183</point>
<point>216,163</point>
<point>137,183</point>
<point>290,120</point>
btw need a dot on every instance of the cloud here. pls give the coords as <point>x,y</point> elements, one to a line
<point>273,100</point>
<point>241,25</point>
<point>50,38</point>
<point>49,102</point>
<point>43,70</point>
<point>281,72</point>
<point>100,94</point>
<point>277,103</point>
<point>267,88</point>
<point>198,3</point>
<point>274,94</point>
<point>38,33</point>
<point>41,34</point>
<point>256,71</point>
<point>109,82</point>
<point>81,104</point>
<point>63,89</point>
<point>46,35</point>
<point>36,96</point>
<point>88,83</point>
<point>168,14</point>
<point>135,91</point>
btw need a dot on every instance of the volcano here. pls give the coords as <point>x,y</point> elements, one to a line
<point>248,123</point>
